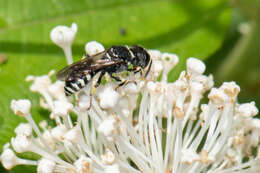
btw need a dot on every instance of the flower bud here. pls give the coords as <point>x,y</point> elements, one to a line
<point>155,54</point>
<point>61,108</point>
<point>108,158</point>
<point>108,127</point>
<point>8,158</point>
<point>57,90</point>
<point>74,135</point>
<point>63,36</point>
<point>169,61</point>
<point>46,166</point>
<point>230,88</point>
<point>21,107</point>
<point>21,143</point>
<point>23,129</point>
<point>49,139</point>
<point>40,84</point>
<point>157,67</point>
<point>83,164</point>
<point>58,132</point>
<point>217,96</point>
<point>189,156</point>
<point>93,48</point>
<point>196,88</point>
<point>108,97</point>
<point>83,101</point>
<point>248,109</point>
<point>112,168</point>
<point>131,88</point>
<point>195,66</point>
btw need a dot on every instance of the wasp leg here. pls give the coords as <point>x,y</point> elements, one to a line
<point>99,79</point>
<point>135,70</point>
<point>94,87</point>
<point>132,69</point>
<point>90,102</point>
<point>96,83</point>
<point>149,68</point>
<point>118,79</point>
<point>138,70</point>
<point>92,91</point>
<point>121,84</point>
<point>125,82</point>
<point>141,73</point>
<point>87,55</point>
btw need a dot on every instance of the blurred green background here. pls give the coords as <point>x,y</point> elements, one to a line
<point>223,33</point>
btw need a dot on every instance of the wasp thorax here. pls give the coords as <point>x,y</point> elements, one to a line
<point>120,52</point>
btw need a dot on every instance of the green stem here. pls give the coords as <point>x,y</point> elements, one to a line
<point>242,64</point>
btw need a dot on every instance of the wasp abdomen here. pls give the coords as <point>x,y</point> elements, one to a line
<point>72,86</point>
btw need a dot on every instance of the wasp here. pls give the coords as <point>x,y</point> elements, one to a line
<point>113,61</point>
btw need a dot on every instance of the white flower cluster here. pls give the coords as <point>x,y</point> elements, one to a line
<point>149,126</point>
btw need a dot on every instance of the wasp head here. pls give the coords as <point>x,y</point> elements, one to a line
<point>141,56</point>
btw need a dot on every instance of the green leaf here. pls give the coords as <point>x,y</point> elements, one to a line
<point>187,28</point>
<point>2,23</point>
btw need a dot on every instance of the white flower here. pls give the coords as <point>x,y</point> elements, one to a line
<point>149,126</point>
<point>112,169</point>
<point>63,37</point>
<point>131,88</point>
<point>108,127</point>
<point>189,156</point>
<point>83,101</point>
<point>196,88</point>
<point>83,164</point>
<point>49,139</point>
<point>46,166</point>
<point>93,48</point>
<point>40,83</point>
<point>23,129</point>
<point>61,108</point>
<point>217,96</point>
<point>59,132</point>
<point>108,97</point>
<point>108,158</point>
<point>169,61</point>
<point>156,69</point>
<point>155,54</point>
<point>56,90</point>
<point>21,107</point>
<point>248,109</point>
<point>73,135</point>
<point>9,159</point>
<point>21,143</point>
<point>195,66</point>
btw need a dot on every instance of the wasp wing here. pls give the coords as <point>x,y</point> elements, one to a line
<point>92,63</point>
<point>63,73</point>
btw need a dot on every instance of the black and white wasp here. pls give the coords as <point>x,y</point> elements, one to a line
<point>113,61</point>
